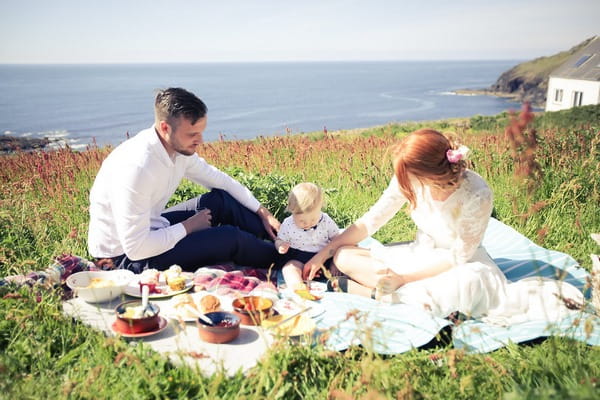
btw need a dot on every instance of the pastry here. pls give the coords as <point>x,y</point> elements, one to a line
<point>177,283</point>
<point>210,303</point>
<point>186,306</point>
<point>173,272</point>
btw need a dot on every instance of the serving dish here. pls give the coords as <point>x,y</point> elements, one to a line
<point>225,328</point>
<point>99,286</point>
<point>131,318</point>
<point>252,309</point>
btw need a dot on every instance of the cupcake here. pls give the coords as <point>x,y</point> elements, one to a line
<point>177,283</point>
<point>173,272</point>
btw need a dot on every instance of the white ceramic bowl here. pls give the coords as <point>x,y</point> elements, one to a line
<point>105,285</point>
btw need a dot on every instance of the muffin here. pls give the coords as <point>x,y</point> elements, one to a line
<point>177,283</point>
<point>210,303</point>
<point>173,272</point>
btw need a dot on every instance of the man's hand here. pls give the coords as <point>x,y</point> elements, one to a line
<point>199,221</point>
<point>270,223</point>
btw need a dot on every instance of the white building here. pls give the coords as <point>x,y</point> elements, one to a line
<point>577,81</point>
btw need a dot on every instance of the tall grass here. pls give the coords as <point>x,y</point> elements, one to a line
<point>43,213</point>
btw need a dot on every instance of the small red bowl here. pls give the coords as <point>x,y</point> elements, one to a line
<point>128,325</point>
<point>226,327</point>
<point>252,310</point>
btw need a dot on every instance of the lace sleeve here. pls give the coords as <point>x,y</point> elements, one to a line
<point>472,223</point>
<point>390,202</point>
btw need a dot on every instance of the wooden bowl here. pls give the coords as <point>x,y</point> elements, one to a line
<point>127,324</point>
<point>226,328</point>
<point>252,310</point>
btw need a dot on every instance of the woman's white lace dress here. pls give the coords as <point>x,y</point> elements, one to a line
<point>452,230</point>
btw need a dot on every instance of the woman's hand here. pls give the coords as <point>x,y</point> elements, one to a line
<point>389,281</point>
<point>312,268</point>
<point>270,223</point>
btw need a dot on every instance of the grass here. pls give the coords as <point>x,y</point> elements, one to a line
<point>43,213</point>
<point>542,67</point>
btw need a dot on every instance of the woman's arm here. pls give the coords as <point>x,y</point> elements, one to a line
<point>390,202</point>
<point>351,236</point>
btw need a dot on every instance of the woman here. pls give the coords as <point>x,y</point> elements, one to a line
<point>445,269</point>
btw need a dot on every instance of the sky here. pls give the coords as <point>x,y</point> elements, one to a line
<point>148,31</point>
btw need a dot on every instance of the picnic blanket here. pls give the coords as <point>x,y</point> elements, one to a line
<point>228,279</point>
<point>391,329</point>
<point>350,320</point>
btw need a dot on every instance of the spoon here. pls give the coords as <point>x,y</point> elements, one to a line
<point>145,295</point>
<point>200,315</point>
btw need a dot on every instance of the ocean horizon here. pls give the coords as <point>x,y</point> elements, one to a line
<point>81,104</point>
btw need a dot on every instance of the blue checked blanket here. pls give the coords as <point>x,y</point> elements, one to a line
<point>390,329</point>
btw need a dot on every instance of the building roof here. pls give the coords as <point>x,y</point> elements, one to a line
<point>583,65</point>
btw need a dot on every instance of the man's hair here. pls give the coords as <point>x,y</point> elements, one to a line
<point>305,197</point>
<point>172,103</point>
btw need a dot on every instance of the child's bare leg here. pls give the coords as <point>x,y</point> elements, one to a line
<point>292,274</point>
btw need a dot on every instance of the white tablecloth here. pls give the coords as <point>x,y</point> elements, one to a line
<point>180,341</point>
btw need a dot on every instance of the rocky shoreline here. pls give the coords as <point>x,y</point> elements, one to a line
<point>486,92</point>
<point>11,144</point>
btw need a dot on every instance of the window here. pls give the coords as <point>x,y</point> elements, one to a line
<point>581,60</point>
<point>577,98</point>
<point>558,95</point>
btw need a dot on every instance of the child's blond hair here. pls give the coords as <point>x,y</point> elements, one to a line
<point>305,197</point>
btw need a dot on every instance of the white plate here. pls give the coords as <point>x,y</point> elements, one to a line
<point>317,289</point>
<point>288,307</point>
<point>133,289</point>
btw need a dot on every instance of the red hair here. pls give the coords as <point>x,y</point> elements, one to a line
<point>422,154</point>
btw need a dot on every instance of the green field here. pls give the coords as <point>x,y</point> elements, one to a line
<point>548,190</point>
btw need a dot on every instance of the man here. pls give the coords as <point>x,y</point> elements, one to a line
<point>129,226</point>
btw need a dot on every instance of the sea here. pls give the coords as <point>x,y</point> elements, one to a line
<point>102,104</point>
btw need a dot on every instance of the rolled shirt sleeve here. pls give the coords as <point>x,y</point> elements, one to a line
<point>202,173</point>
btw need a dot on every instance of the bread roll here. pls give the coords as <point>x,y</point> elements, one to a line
<point>210,303</point>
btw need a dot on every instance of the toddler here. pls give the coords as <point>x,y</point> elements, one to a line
<point>303,233</point>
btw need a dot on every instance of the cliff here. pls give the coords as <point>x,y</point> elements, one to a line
<point>528,81</point>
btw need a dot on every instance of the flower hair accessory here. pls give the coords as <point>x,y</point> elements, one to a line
<point>455,156</point>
